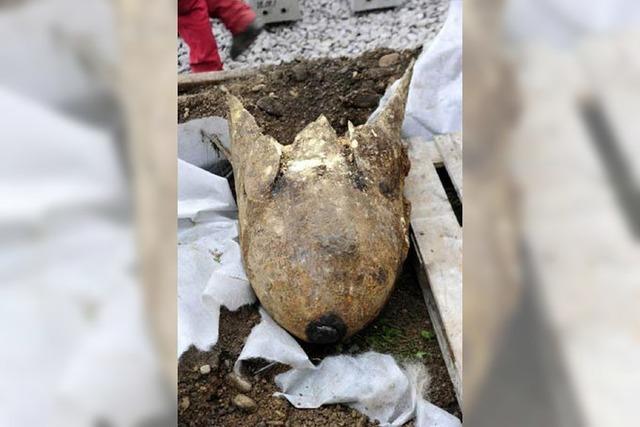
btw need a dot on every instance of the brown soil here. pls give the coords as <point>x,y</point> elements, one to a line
<point>297,93</point>
<point>403,329</point>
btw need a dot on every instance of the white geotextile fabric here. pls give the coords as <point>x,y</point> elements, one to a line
<point>195,141</point>
<point>372,383</point>
<point>210,272</point>
<point>434,104</point>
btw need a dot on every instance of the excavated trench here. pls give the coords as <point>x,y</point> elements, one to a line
<point>343,90</point>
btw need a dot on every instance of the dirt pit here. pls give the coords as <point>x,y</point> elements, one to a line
<point>343,90</point>
<point>285,98</point>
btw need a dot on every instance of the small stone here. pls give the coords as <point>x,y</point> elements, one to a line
<point>258,87</point>
<point>205,369</point>
<point>364,98</point>
<point>214,361</point>
<point>238,382</point>
<point>244,403</point>
<point>186,112</point>
<point>389,60</point>
<point>270,106</point>
<point>299,72</point>
<point>362,422</point>
<point>379,73</point>
<point>184,403</point>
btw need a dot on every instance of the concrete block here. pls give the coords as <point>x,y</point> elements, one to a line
<point>362,5</point>
<point>271,11</point>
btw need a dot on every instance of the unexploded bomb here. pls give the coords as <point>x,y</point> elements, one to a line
<point>323,221</point>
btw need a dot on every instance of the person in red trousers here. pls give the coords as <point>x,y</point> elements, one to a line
<point>195,30</point>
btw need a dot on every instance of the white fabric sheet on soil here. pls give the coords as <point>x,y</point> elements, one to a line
<point>372,383</point>
<point>434,104</point>
<point>195,142</point>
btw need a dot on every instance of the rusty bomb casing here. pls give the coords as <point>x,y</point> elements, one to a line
<point>323,221</point>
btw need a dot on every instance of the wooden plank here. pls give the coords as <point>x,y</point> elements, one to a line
<point>193,80</point>
<point>450,148</point>
<point>438,242</point>
<point>434,154</point>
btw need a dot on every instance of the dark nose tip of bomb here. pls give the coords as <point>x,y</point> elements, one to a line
<point>326,330</point>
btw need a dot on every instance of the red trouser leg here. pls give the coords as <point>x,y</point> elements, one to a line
<point>195,29</point>
<point>236,15</point>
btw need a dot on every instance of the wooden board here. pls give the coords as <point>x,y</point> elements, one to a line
<point>193,80</point>
<point>450,148</point>
<point>437,238</point>
<point>432,150</point>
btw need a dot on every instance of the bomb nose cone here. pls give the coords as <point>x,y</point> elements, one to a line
<point>329,328</point>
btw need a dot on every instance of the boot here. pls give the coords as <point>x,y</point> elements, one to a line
<point>243,40</point>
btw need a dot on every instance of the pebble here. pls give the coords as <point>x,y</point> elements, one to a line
<point>270,106</point>
<point>258,87</point>
<point>238,382</point>
<point>330,29</point>
<point>205,369</point>
<point>363,98</point>
<point>299,72</point>
<point>214,361</point>
<point>389,60</point>
<point>244,403</point>
<point>184,403</point>
<point>379,73</point>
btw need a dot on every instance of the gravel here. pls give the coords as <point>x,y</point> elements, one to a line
<point>245,403</point>
<point>328,28</point>
<point>238,383</point>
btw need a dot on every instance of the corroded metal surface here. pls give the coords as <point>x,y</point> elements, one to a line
<point>323,221</point>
